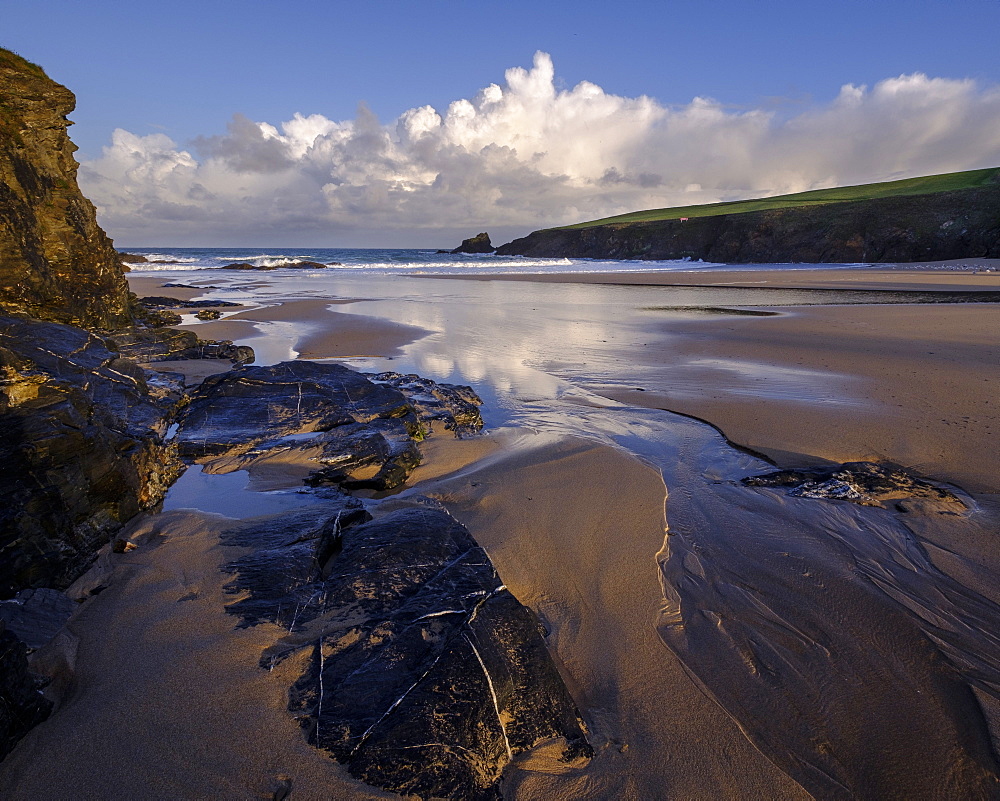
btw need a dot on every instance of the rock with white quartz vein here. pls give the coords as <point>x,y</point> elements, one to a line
<point>426,675</point>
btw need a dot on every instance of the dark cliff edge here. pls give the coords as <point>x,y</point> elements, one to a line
<point>944,225</point>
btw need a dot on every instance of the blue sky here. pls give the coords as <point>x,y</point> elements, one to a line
<point>183,69</point>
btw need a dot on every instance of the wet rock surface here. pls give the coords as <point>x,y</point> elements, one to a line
<point>164,302</point>
<point>35,616</point>
<point>454,405</point>
<point>361,433</point>
<point>148,345</point>
<point>426,676</point>
<point>82,449</point>
<point>865,483</point>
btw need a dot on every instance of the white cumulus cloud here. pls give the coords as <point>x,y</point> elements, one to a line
<point>521,156</point>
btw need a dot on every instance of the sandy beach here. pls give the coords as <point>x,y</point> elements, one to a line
<point>575,528</point>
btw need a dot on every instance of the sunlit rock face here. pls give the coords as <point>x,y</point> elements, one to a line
<point>55,261</point>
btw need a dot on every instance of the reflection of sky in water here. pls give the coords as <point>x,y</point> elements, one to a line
<point>521,343</point>
<point>274,342</point>
<point>687,379</point>
<point>227,494</point>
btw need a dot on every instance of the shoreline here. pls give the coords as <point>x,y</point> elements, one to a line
<point>915,276</point>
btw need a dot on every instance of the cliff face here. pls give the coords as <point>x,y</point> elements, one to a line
<point>55,261</point>
<point>944,225</point>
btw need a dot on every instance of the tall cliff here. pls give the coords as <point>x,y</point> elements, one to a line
<point>942,225</point>
<point>55,261</point>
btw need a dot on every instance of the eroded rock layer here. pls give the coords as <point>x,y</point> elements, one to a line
<point>82,449</point>
<point>55,261</point>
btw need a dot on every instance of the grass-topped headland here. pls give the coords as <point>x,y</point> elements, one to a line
<point>935,217</point>
<point>925,185</point>
<point>11,60</point>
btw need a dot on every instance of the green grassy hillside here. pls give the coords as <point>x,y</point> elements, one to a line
<point>926,185</point>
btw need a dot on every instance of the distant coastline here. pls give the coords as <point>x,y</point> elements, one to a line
<point>928,219</point>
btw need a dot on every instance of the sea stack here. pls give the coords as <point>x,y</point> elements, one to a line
<point>480,243</point>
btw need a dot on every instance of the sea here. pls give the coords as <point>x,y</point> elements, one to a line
<point>394,261</point>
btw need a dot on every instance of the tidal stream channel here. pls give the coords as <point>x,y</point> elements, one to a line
<point>837,636</point>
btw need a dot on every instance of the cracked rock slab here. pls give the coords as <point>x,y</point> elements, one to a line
<point>426,675</point>
<point>234,411</point>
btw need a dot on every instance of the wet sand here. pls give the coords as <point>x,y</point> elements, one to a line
<point>325,333</point>
<point>914,384</point>
<point>917,385</point>
<point>166,699</point>
<point>574,529</point>
<point>967,274</point>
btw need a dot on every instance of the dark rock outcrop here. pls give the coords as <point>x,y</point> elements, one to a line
<point>35,616</point>
<point>426,675</point>
<point>360,433</point>
<point>480,243</point>
<point>82,449</point>
<point>55,261</point>
<point>136,258</point>
<point>250,405</point>
<point>158,314</point>
<point>292,265</point>
<point>21,704</point>
<point>148,345</point>
<point>944,225</point>
<point>163,302</point>
<point>864,483</point>
<point>456,406</point>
